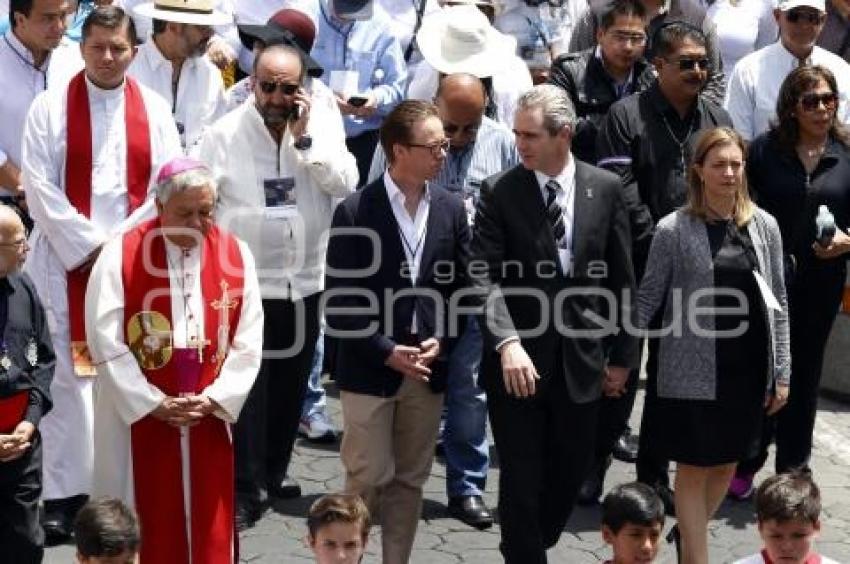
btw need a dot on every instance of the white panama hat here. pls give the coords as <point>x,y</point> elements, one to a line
<point>460,39</point>
<point>195,12</point>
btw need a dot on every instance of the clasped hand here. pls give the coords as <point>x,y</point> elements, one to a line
<point>14,445</point>
<point>184,411</point>
<point>414,362</point>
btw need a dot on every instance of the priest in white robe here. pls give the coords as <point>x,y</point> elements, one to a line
<point>175,327</point>
<point>87,174</point>
<point>172,63</point>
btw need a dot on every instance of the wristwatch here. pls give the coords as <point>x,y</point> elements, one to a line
<point>303,143</point>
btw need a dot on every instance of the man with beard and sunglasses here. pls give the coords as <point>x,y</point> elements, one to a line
<point>280,162</point>
<point>756,79</point>
<point>172,63</point>
<point>647,139</point>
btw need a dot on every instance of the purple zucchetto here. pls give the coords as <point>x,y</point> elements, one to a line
<point>177,165</point>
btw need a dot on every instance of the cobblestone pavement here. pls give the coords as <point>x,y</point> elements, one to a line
<point>277,538</point>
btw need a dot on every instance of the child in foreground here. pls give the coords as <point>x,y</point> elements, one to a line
<point>106,532</point>
<point>338,529</point>
<point>788,513</point>
<point>632,520</point>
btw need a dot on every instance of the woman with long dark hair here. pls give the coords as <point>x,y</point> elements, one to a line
<point>799,165</point>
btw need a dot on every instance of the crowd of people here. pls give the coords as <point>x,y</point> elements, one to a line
<point>462,211</point>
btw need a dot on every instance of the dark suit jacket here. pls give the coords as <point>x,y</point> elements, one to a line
<point>360,359</point>
<point>514,239</point>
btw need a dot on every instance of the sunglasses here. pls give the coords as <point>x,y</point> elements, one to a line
<point>686,65</point>
<point>269,87</point>
<point>807,16</point>
<point>812,101</point>
<point>624,38</point>
<point>469,129</point>
<point>436,149</point>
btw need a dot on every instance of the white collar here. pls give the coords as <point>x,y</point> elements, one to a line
<point>789,56</point>
<point>103,94</point>
<point>23,50</point>
<point>176,252</point>
<point>394,193</point>
<point>565,178</point>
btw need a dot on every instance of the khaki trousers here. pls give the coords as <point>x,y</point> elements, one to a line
<point>387,450</point>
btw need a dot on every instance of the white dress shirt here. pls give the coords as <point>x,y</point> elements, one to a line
<point>200,90</point>
<point>25,82</point>
<point>565,196</point>
<point>743,26</point>
<point>754,86</point>
<point>63,238</point>
<point>411,230</point>
<point>290,250</point>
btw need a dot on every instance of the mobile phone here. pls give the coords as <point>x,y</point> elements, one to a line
<point>357,101</point>
<point>294,113</point>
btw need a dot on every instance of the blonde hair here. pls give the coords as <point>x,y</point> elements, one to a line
<point>697,205</point>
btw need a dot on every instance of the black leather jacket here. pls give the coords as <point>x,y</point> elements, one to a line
<point>592,92</point>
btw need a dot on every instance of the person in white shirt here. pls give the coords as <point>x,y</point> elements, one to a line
<point>174,65</point>
<point>743,26</point>
<point>89,152</point>
<point>279,163</point>
<point>174,370</point>
<point>460,39</point>
<point>34,54</point>
<point>405,20</point>
<point>756,79</point>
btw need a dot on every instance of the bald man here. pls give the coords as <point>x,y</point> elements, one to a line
<point>26,370</point>
<point>480,147</point>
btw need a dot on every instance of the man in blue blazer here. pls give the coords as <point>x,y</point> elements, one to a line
<point>398,251</point>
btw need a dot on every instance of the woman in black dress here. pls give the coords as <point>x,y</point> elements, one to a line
<point>714,284</point>
<point>803,163</point>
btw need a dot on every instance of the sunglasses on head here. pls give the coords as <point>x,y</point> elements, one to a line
<point>269,87</point>
<point>693,64</point>
<point>807,16</point>
<point>812,101</point>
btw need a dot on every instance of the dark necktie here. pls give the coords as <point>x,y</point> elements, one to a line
<point>554,213</point>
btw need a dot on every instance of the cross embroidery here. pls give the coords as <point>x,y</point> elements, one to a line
<point>223,305</point>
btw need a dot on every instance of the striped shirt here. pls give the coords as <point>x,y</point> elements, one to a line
<point>463,171</point>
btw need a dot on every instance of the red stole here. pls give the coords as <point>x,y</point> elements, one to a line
<point>12,411</point>
<point>157,461</point>
<point>78,181</point>
<point>811,559</point>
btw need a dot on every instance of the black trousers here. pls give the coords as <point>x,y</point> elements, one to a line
<point>652,466</point>
<point>545,447</point>
<point>363,148</point>
<point>813,302</point>
<point>614,416</point>
<point>21,535</point>
<point>267,426</point>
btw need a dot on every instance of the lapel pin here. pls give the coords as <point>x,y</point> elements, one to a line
<point>588,193</point>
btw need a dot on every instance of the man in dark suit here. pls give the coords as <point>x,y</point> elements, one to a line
<point>398,250</point>
<point>554,235</point>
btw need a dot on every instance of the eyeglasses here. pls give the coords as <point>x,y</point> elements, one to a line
<point>808,16</point>
<point>812,101</point>
<point>624,38</point>
<point>437,149</point>
<point>19,244</point>
<point>686,65</point>
<point>269,87</point>
<point>468,129</point>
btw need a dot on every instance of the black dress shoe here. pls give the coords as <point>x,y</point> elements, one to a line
<point>626,447</point>
<point>591,489</point>
<point>472,510</point>
<point>284,488</point>
<point>58,526</point>
<point>667,498</point>
<point>246,515</point>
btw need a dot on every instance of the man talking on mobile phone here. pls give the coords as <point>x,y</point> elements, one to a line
<point>279,162</point>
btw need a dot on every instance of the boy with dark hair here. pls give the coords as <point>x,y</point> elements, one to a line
<point>788,511</point>
<point>632,520</point>
<point>338,529</point>
<point>106,531</point>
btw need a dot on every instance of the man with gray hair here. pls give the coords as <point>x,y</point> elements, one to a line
<point>554,235</point>
<point>177,349</point>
